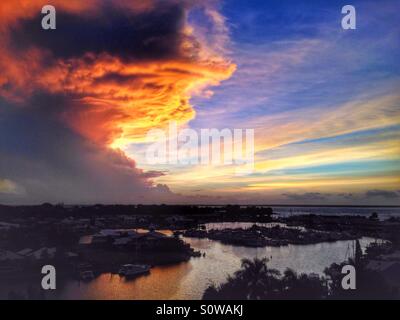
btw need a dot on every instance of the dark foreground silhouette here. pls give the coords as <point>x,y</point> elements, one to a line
<point>255,281</point>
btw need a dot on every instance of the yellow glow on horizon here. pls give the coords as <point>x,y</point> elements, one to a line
<point>379,150</point>
<point>392,182</point>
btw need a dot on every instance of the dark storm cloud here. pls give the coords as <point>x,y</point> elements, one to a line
<point>153,34</point>
<point>67,95</point>
<point>39,153</point>
<point>49,162</point>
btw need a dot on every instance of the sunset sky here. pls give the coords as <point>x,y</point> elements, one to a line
<point>77,102</point>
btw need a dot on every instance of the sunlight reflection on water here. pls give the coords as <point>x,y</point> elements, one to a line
<point>189,280</point>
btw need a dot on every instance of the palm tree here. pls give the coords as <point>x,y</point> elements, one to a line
<point>258,279</point>
<point>302,286</point>
<point>255,281</point>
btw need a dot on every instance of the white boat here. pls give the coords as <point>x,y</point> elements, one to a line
<point>132,270</point>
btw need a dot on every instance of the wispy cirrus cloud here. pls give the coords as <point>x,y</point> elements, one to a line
<point>324,102</point>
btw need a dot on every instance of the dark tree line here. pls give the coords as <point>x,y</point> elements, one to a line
<point>255,281</point>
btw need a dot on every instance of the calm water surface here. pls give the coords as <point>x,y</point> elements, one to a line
<point>189,280</point>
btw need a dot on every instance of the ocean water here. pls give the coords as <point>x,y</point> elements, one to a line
<point>383,212</point>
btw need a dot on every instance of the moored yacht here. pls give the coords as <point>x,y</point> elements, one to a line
<point>132,270</point>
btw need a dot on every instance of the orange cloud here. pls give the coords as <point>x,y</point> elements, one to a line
<point>14,10</point>
<point>125,100</point>
<point>115,99</point>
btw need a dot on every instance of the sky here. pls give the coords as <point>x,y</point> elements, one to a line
<point>76,103</point>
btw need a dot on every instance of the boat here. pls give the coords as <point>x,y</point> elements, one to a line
<point>133,270</point>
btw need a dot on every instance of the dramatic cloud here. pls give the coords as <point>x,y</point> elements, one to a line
<point>70,97</point>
